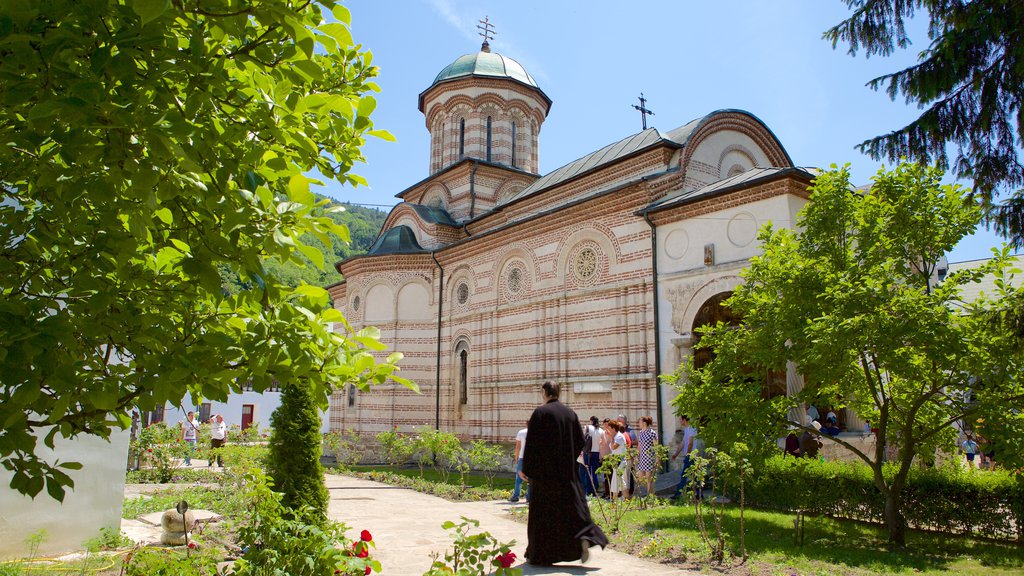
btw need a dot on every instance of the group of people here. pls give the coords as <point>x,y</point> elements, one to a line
<point>602,439</point>
<point>977,447</point>
<point>190,436</point>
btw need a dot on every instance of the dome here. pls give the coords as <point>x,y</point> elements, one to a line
<point>485,64</point>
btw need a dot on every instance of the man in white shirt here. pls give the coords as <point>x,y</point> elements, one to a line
<point>518,453</point>
<point>686,446</point>
<point>218,434</point>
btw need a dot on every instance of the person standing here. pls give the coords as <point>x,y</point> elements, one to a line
<point>218,435</point>
<point>189,436</point>
<point>646,438</point>
<point>518,455</point>
<point>591,456</point>
<point>604,450</point>
<point>686,446</point>
<point>560,528</point>
<point>970,447</point>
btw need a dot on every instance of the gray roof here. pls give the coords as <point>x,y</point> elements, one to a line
<point>397,240</point>
<point>606,155</point>
<point>752,176</point>
<point>433,215</point>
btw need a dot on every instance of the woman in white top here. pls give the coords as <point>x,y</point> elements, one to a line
<point>618,445</point>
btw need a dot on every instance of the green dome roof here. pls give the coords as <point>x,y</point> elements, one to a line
<point>486,64</point>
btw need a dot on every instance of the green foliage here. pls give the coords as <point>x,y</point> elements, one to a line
<point>967,79</point>
<point>110,538</point>
<point>476,491</point>
<point>277,545</point>
<point>474,554</point>
<point>440,449</point>
<point>294,460</point>
<point>485,457</point>
<point>397,448</point>
<point>851,298</point>
<point>947,499</point>
<point>151,561</point>
<point>346,446</point>
<point>147,143</point>
<point>159,447</point>
<point>363,225</point>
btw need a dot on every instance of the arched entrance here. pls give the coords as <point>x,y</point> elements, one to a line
<point>714,311</point>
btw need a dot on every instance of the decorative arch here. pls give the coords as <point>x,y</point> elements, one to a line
<point>414,302</point>
<point>508,288</point>
<point>742,122</point>
<point>459,275</point>
<point>509,188</point>
<point>437,195</point>
<point>460,371</point>
<point>682,320</point>
<point>735,159</point>
<point>598,234</point>
<point>379,303</point>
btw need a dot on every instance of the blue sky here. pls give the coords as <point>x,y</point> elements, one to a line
<point>594,58</point>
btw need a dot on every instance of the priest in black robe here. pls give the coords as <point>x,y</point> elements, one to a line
<point>560,528</point>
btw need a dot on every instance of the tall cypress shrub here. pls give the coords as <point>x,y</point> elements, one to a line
<point>295,449</point>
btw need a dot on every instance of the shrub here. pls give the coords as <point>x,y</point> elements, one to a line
<point>346,446</point>
<point>475,553</point>
<point>397,448</point>
<point>294,459</point>
<point>487,458</point>
<point>159,446</point>
<point>947,499</point>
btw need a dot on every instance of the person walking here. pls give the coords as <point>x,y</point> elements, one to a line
<point>559,528</point>
<point>970,447</point>
<point>218,435</point>
<point>518,455</point>
<point>189,435</point>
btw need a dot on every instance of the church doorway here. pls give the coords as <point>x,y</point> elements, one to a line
<point>711,313</point>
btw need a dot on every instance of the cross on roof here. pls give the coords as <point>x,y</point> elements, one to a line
<point>488,32</point>
<point>644,112</point>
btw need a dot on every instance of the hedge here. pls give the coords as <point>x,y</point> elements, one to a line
<point>949,499</point>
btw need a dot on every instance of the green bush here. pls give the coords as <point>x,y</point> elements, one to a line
<point>397,448</point>
<point>947,499</point>
<point>294,459</point>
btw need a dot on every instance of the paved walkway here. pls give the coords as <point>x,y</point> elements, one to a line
<point>406,526</point>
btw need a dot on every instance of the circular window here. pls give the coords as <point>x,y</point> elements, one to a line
<point>586,264</point>
<point>515,280</point>
<point>462,293</point>
<point>355,304</point>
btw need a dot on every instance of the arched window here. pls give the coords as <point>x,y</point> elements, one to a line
<point>463,377</point>
<point>351,394</point>
<point>462,137</point>
<point>488,138</point>
<point>513,144</point>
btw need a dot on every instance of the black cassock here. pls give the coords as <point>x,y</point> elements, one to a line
<point>559,515</point>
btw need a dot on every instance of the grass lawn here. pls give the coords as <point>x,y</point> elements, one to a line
<point>831,547</point>
<point>429,474</point>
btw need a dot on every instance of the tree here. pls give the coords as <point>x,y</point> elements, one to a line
<point>144,143</point>
<point>294,459</point>
<point>969,79</point>
<point>851,297</point>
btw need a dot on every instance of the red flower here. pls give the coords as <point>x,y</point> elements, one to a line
<point>365,536</point>
<point>149,450</point>
<point>507,559</point>
<point>337,571</point>
<point>361,549</point>
<point>367,572</point>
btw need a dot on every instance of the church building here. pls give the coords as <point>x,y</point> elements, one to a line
<point>491,278</point>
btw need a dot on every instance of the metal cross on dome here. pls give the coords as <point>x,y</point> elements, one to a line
<point>644,112</point>
<point>487,32</point>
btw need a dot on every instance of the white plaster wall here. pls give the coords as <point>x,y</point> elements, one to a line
<point>264,404</point>
<point>682,273</point>
<point>94,503</point>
